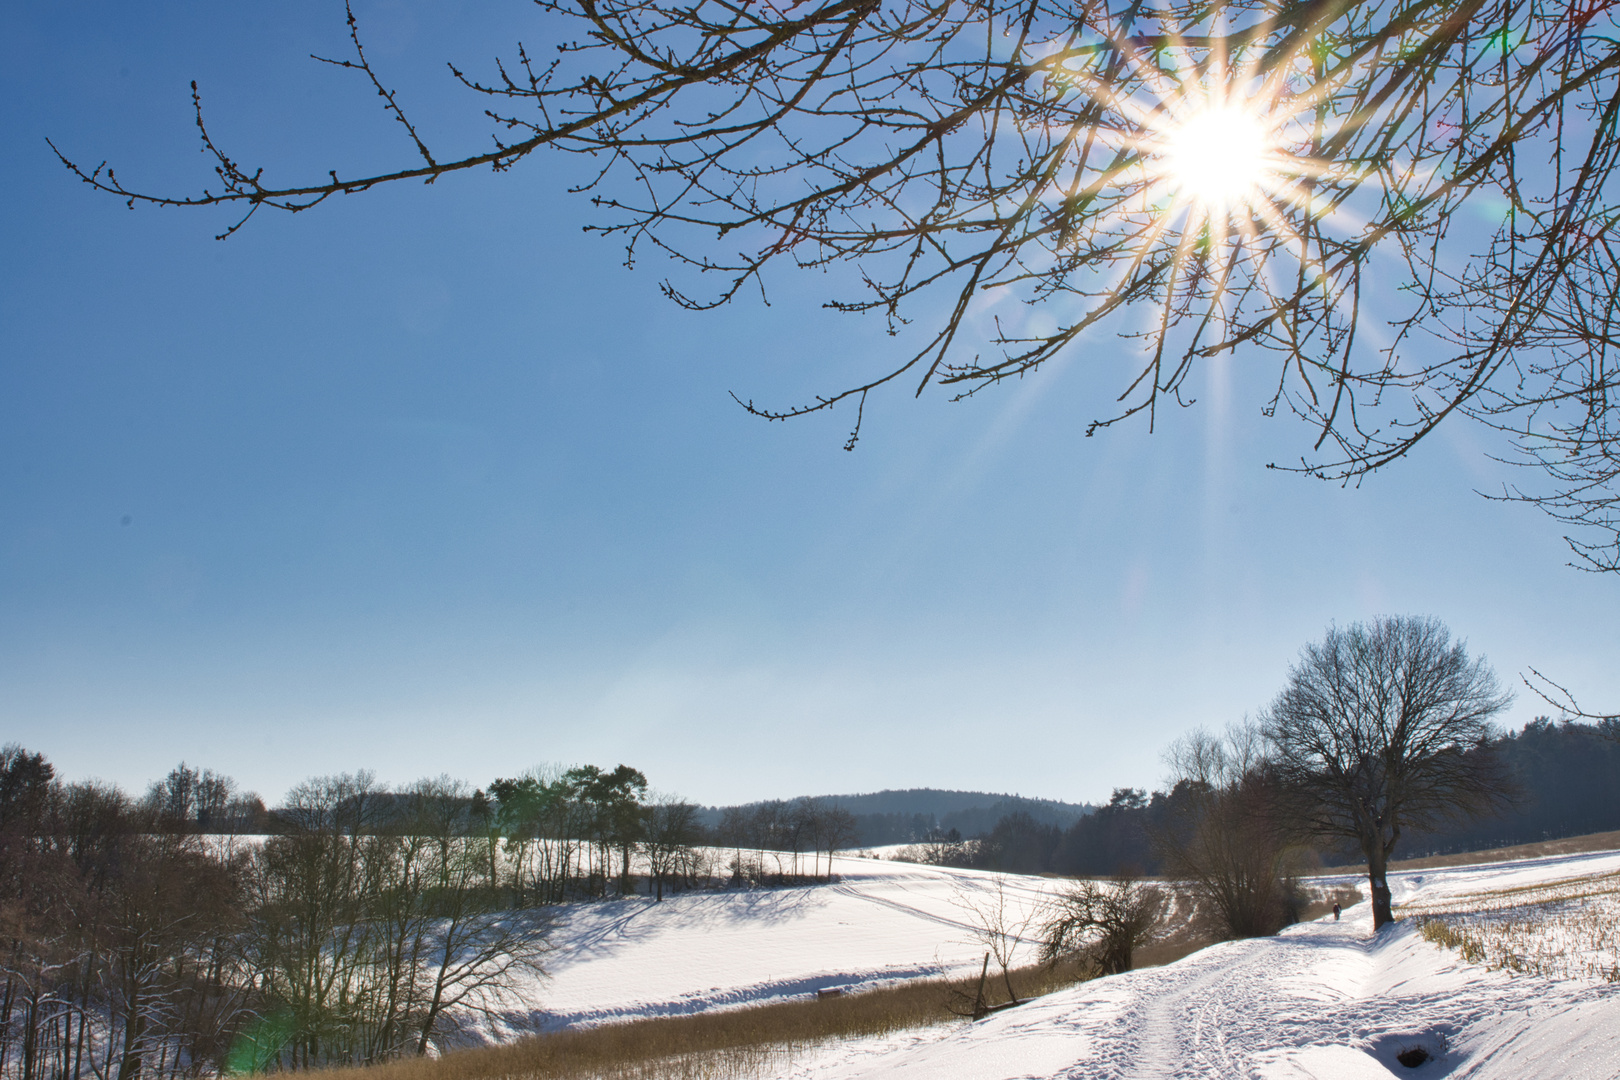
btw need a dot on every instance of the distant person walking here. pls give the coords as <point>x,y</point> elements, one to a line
<point>1335,912</point>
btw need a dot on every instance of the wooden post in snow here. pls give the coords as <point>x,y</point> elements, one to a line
<point>978,999</point>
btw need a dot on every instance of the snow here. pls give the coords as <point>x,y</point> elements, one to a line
<point>880,922</point>
<point>1322,1001</point>
<point>1429,886</point>
<point>1566,927</point>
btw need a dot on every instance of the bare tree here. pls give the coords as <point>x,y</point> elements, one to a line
<point>1203,177</point>
<point>838,831</point>
<point>770,829</point>
<point>118,940</point>
<point>476,951</point>
<point>1223,834</point>
<point>818,824</point>
<point>313,941</point>
<point>669,834</point>
<point>167,908</point>
<point>942,849</point>
<point>998,922</point>
<point>1103,923</point>
<point>808,816</point>
<point>734,831</point>
<point>1560,413</point>
<point>198,800</point>
<point>1385,727</point>
<point>454,945</point>
<point>1561,699</point>
<point>376,925</point>
<point>173,801</point>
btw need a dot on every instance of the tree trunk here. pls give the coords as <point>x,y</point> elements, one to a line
<point>5,1022</point>
<point>134,1032</point>
<point>1378,883</point>
<point>432,1016</point>
<point>978,997</point>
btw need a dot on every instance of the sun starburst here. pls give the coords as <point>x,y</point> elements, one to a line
<point>1219,157</point>
<point>1221,168</point>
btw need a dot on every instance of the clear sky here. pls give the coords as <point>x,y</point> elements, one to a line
<point>426,481</point>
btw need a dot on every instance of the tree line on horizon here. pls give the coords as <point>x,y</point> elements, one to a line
<point>1566,773</point>
<point>1381,742</point>
<point>925,813</point>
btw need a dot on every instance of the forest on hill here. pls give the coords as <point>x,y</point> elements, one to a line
<point>1566,772</point>
<point>913,815</point>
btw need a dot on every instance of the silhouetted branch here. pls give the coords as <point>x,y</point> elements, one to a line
<point>1564,701</point>
<point>1020,158</point>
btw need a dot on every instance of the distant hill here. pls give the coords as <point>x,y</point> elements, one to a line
<point>906,816</point>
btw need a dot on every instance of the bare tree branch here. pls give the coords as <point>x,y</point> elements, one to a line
<point>1017,169</point>
<point>1564,701</point>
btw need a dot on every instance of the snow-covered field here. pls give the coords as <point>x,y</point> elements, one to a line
<point>882,921</point>
<point>1566,927</point>
<point>1323,1000</point>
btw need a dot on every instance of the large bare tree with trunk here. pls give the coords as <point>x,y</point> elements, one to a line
<point>1280,180</point>
<point>1383,728</point>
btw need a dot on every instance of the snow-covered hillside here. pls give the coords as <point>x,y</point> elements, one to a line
<point>880,922</point>
<point>1324,1000</point>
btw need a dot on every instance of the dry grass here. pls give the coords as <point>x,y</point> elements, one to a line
<point>727,1045</point>
<point>1561,929</point>
<point>1168,952</point>
<point>1573,845</point>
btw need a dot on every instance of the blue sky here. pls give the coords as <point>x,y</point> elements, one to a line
<point>426,480</point>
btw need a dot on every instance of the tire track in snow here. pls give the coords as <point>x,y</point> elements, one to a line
<point>1025,895</point>
<point>904,908</point>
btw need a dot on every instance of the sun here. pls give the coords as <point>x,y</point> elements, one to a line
<point>1217,164</point>
<point>1220,157</point>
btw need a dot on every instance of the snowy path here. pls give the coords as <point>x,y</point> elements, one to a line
<point>1321,1002</point>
